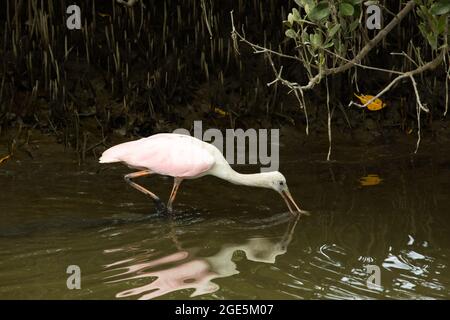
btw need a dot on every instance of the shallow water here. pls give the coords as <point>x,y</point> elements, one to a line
<point>226,241</point>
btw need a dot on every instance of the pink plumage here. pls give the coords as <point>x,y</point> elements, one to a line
<point>169,154</point>
<point>185,157</point>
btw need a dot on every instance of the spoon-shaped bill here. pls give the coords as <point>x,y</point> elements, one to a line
<point>289,200</point>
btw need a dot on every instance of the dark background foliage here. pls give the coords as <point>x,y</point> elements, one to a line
<point>139,70</point>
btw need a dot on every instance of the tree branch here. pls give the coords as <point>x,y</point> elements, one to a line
<point>428,66</point>
<point>366,49</point>
<point>325,72</point>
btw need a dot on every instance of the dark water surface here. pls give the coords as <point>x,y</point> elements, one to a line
<point>227,241</point>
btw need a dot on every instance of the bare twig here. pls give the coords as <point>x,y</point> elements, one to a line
<point>324,71</point>
<point>330,71</point>
<point>404,54</point>
<point>428,66</point>
<point>362,65</point>
<point>365,50</point>
<point>255,47</point>
<point>329,121</point>
<point>447,79</point>
<point>294,88</point>
<point>418,108</point>
<point>419,103</point>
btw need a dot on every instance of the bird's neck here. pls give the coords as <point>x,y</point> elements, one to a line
<point>253,180</point>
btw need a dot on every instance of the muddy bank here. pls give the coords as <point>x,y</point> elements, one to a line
<point>28,144</point>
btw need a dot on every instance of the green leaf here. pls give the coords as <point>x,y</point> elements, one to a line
<point>333,30</point>
<point>353,26</point>
<point>291,34</point>
<point>346,9</point>
<point>432,40</point>
<point>309,5</point>
<point>316,40</point>
<point>320,12</point>
<point>296,14</point>
<point>305,36</point>
<point>441,23</point>
<point>423,30</point>
<point>290,19</point>
<point>306,4</point>
<point>441,7</point>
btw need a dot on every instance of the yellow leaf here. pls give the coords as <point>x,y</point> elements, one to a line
<point>220,112</point>
<point>3,159</point>
<point>370,180</point>
<point>375,105</point>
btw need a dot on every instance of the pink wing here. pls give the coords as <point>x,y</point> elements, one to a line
<point>165,153</point>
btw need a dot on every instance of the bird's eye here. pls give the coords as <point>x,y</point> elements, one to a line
<point>281,183</point>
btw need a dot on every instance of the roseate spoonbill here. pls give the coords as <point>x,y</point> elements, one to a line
<point>186,157</point>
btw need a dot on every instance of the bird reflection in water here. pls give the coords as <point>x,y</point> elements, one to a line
<point>197,272</point>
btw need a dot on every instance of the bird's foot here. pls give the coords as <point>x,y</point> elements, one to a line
<point>160,206</point>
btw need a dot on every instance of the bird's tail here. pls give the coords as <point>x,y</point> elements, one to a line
<point>108,157</point>
<point>107,160</point>
<point>116,153</point>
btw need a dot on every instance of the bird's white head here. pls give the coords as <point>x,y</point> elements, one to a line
<point>276,181</point>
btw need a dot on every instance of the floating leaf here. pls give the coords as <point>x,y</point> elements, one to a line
<point>370,180</point>
<point>4,159</point>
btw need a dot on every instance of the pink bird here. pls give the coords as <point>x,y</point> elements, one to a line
<point>186,157</point>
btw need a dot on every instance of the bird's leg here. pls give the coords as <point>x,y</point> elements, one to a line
<point>159,204</point>
<point>173,194</point>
